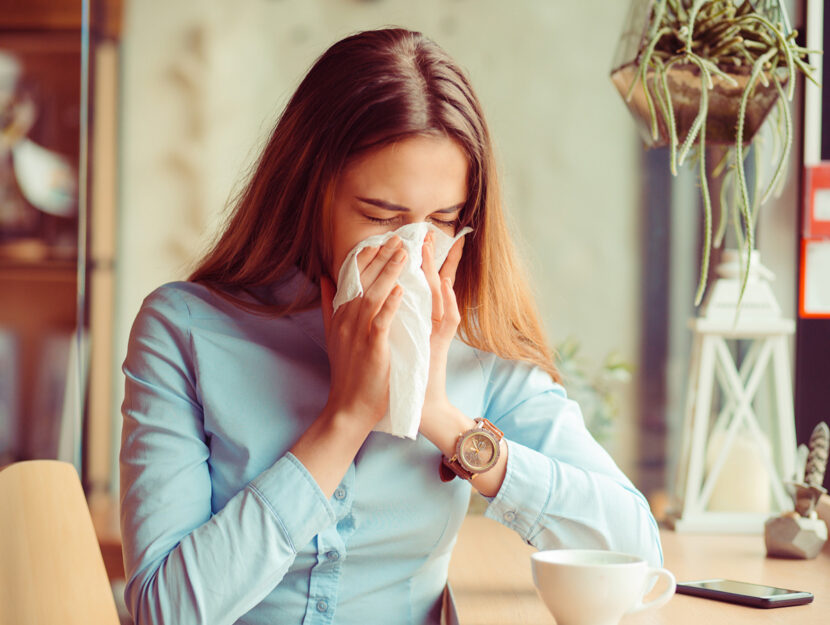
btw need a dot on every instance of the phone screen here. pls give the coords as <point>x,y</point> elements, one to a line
<point>745,593</point>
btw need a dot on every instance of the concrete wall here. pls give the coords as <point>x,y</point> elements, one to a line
<point>203,81</point>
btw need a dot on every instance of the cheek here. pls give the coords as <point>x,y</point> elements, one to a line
<point>344,240</point>
<point>338,256</point>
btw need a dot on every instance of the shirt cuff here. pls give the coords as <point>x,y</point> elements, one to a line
<point>525,491</point>
<point>295,499</point>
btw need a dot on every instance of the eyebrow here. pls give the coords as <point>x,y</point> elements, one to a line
<point>403,209</point>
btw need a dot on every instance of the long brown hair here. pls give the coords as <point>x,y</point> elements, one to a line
<point>369,90</point>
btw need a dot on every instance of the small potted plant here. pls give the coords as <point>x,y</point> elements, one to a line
<point>801,533</point>
<point>704,73</point>
<point>594,388</point>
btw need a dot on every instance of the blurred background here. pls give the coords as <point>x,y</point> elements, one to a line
<point>139,128</point>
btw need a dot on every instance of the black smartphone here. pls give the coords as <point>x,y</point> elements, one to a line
<point>756,595</point>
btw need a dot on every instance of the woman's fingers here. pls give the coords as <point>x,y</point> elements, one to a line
<point>444,332</point>
<point>380,268</point>
<point>383,320</point>
<point>431,273</point>
<point>366,256</point>
<point>375,265</point>
<point>452,316</point>
<point>450,265</point>
<point>378,292</point>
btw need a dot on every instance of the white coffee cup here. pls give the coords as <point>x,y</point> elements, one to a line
<point>594,587</point>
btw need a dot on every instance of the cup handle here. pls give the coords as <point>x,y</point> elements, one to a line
<point>655,574</point>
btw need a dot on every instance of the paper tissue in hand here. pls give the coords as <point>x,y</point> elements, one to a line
<point>411,327</point>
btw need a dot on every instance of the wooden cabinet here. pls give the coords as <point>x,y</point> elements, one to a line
<point>57,231</point>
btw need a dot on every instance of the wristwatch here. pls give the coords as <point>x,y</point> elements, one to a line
<point>476,451</point>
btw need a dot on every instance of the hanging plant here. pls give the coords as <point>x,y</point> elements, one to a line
<point>708,72</point>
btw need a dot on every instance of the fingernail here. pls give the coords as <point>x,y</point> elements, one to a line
<point>399,256</point>
<point>393,243</point>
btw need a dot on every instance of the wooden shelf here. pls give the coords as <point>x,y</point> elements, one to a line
<point>52,15</point>
<point>40,271</point>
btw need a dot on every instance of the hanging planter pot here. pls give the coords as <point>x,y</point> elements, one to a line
<point>684,87</point>
<point>698,73</point>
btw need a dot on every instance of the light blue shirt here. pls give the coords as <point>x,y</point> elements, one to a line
<point>221,524</point>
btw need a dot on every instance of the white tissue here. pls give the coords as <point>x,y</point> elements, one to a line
<point>412,326</point>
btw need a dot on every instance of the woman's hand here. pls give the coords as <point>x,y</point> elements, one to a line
<point>441,422</point>
<point>445,321</point>
<point>357,341</point>
<point>357,336</point>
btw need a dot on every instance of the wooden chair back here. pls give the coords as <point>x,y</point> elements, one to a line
<point>51,570</point>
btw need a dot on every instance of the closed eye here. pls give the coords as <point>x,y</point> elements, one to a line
<point>389,206</point>
<point>452,223</point>
<point>441,223</point>
<point>383,222</point>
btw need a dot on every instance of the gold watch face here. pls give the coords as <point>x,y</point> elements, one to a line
<point>478,451</point>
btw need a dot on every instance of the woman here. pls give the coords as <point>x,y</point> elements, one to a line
<point>253,488</point>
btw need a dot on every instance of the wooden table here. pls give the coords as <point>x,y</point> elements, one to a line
<point>490,577</point>
<point>491,580</point>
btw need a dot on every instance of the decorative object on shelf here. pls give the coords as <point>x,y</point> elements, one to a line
<point>17,114</point>
<point>697,73</point>
<point>800,533</point>
<point>816,465</point>
<point>47,180</point>
<point>736,438</point>
<point>38,149</point>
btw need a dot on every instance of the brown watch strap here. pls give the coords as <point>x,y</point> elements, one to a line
<point>448,470</point>
<point>487,425</point>
<point>450,467</point>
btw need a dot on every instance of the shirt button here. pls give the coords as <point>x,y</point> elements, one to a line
<point>509,516</point>
<point>340,493</point>
<point>333,556</point>
<point>322,606</point>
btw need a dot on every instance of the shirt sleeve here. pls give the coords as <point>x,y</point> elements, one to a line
<point>561,489</point>
<point>185,564</point>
